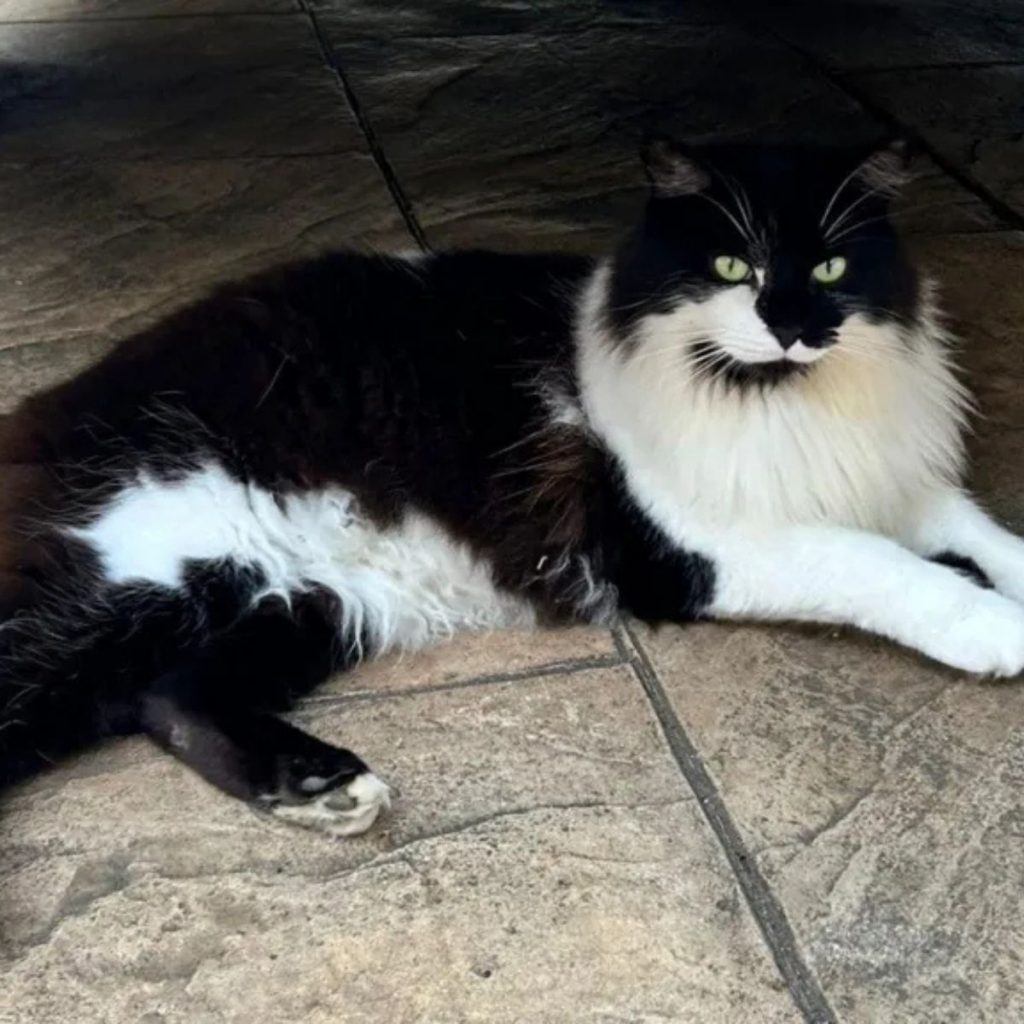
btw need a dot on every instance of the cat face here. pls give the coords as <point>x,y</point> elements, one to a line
<point>758,262</point>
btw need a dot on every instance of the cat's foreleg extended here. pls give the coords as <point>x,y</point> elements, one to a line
<point>830,574</point>
<point>952,524</point>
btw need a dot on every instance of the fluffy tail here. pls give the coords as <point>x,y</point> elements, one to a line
<point>73,667</point>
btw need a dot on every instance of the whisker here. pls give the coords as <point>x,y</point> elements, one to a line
<point>735,223</point>
<point>835,195</point>
<point>837,222</point>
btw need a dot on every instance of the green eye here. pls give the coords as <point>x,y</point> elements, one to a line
<point>732,269</point>
<point>830,271</point>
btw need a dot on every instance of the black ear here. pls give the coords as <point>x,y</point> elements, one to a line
<point>671,169</point>
<point>888,168</point>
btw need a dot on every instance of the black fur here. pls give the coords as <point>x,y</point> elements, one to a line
<point>427,386</point>
<point>784,191</point>
<point>411,385</point>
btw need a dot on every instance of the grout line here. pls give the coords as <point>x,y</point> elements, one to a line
<point>767,910</point>
<point>570,666</point>
<point>841,81</point>
<point>379,156</point>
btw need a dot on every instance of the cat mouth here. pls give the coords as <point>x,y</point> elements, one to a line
<point>714,363</point>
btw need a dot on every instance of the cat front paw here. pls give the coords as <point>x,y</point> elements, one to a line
<point>983,636</point>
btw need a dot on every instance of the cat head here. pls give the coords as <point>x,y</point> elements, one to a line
<point>758,262</point>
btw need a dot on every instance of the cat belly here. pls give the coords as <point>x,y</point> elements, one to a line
<point>401,586</point>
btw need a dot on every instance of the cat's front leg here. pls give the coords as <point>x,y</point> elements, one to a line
<point>951,524</point>
<point>831,574</point>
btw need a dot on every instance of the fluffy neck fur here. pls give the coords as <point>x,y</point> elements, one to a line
<point>860,440</point>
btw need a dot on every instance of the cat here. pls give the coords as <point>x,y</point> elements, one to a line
<point>749,410</point>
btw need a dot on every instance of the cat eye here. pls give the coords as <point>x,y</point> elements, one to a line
<point>830,271</point>
<point>732,269</point>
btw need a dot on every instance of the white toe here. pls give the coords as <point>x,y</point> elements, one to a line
<point>344,811</point>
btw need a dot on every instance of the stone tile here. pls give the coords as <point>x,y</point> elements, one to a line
<point>535,144</point>
<point>935,204</point>
<point>997,461</point>
<point>979,276</point>
<point>30,368</point>
<point>457,19</point>
<point>880,796</point>
<point>494,893</point>
<point>169,88</point>
<point>72,10</point>
<point>858,35</point>
<point>94,250</point>
<point>971,115</point>
<point>879,791</point>
<point>474,656</point>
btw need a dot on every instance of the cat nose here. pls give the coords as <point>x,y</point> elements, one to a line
<point>786,336</point>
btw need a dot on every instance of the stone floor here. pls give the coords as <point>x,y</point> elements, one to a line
<point>718,824</point>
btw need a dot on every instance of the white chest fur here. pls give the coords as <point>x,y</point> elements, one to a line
<point>872,428</point>
<point>403,587</point>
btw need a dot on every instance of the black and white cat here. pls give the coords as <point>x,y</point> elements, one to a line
<point>748,411</point>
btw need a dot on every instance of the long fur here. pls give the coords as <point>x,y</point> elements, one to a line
<point>359,453</point>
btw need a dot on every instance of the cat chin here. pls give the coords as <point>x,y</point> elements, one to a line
<point>718,362</point>
<point>798,354</point>
<point>776,371</point>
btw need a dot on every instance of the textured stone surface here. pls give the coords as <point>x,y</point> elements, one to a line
<point>231,150</point>
<point>880,796</point>
<point>535,144</point>
<point>168,88</point>
<point>868,34</point>
<point>979,277</point>
<point>452,18</point>
<point>542,884</point>
<point>96,248</point>
<point>474,656</point>
<point>516,146</point>
<point>972,116</point>
<point>69,10</point>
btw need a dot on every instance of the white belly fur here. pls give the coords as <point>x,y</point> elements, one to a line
<point>403,587</point>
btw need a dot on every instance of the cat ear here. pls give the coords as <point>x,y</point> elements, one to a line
<point>889,168</point>
<point>671,169</point>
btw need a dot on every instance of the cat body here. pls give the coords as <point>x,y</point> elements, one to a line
<point>363,453</point>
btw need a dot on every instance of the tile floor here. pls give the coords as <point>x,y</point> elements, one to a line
<point>718,824</point>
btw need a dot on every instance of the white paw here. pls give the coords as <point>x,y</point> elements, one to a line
<point>347,810</point>
<point>985,636</point>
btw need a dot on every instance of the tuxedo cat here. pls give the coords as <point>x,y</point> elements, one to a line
<point>749,410</point>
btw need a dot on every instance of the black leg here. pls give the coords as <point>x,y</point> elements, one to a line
<point>965,566</point>
<point>214,713</point>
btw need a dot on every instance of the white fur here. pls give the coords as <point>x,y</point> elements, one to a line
<point>728,316</point>
<point>798,352</point>
<point>796,493</point>
<point>404,587</point>
<point>856,442</point>
<point>347,811</point>
<point>832,574</point>
<point>953,522</point>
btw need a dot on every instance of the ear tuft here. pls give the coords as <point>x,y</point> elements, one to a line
<point>670,169</point>
<point>889,169</point>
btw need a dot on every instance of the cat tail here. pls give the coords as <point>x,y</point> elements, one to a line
<point>75,663</point>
